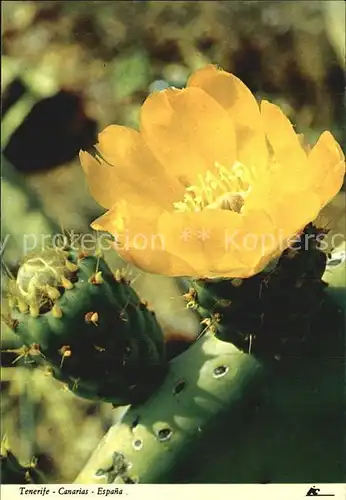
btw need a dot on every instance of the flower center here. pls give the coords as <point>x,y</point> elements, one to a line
<point>224,188</point>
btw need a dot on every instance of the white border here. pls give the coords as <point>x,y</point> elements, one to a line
<point>172,492</point>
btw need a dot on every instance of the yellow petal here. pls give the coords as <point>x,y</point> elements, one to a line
<point>211,243</point>
<point>292,213</point>
<point>201,238</point>
<point>289,211</point>
<point>142,240</point>
<point>158,261</point>
<point>286,146</point>
<point>125,162</point>
<point>327,164</point>
<point>235,97</point>
<point>172,243</point>
<point>122,214</point>
<point>254,239</point>
<point>188,132</point>
<point>100,178</point>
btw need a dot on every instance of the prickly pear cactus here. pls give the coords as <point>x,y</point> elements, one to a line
<point>212,379</point>
<point>214,385</point>
<point>87,326</point>
<point>271,313</point>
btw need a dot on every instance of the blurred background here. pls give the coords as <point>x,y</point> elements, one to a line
<point>71,68</point>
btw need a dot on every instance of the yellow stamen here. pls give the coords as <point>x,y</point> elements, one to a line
<point>224,188</point>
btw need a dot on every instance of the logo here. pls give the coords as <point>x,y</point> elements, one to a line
<point>315,492</point>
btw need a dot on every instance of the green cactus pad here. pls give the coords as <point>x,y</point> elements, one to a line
<point>212,379</point>
<point>88,325</point>
<point>272,313</point>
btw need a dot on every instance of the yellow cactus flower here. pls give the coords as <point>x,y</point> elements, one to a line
<point>212,184</point>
